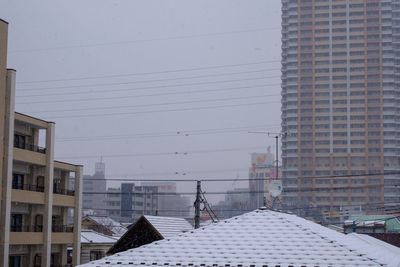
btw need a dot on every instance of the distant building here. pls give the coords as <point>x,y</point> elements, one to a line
<point>261,171</point>
<point>170,203</point>
<point>148,229</point>
<point>128,203</point>
<point>236,203</point>
<point>94,188</point>
<point>34,194</point>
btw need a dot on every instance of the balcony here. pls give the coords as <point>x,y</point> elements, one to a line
<point>39,228</point>
<point>30,147</point>
<point>26,228</point>
<point>28,187</point>
<point>61,191</point>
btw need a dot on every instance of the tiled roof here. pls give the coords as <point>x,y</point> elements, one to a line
<point>169,226</point>
<point>112,225</point>
<point>92,237</point>
<point>258,239</point>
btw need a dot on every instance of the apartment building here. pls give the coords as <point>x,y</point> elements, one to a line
<point>129,202</point>
<point>34,195</point>
<point>340,102</point>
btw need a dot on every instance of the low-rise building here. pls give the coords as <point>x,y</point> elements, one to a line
<point>35,197</point>
<point>95,245</point>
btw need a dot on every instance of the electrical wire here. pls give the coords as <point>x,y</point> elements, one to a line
<point>163,110</point>
<point>157,104</point>
<point>147,87</point>
<point>140,41</point>
<point>155,72</point>
<point>150,95</point>
<point>164,153</point>
<point>146,81</point>
<point>169,133</point>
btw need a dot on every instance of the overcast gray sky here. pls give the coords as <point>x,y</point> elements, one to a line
<point>120,70</point>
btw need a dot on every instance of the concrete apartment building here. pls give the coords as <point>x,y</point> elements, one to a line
<point>34,194</point>
<point>128,203</point>
<point>340,102</point>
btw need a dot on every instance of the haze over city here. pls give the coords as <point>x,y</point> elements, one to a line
<point>131,80</point>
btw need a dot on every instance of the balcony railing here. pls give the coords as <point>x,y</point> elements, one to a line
<point>38,188</point>
<point>62,191</point>
<point>62,229</point>
<point>26,228</point>
<point>30,147</point>
<point>28,187</point>
<point>39,228</point>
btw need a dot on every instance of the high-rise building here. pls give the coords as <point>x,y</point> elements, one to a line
<point>94,190</point>
<point>340,102</point>
<point>35,197</point>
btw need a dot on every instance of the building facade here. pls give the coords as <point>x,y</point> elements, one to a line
<point>261,171</point>
<point>94,188</point>
<point>170,203</point>
<point>129,202</point>
<point>34,189</point>
<point>340,102</point>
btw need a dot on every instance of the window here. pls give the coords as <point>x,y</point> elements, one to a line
<point>18,181</point>
<point>15,261</point>
<point>16,223</point>
<point>96,255</point>
<point>19,141</point>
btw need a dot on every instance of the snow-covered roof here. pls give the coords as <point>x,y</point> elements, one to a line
<point>92,237</point>
<point>259,238</point>
<point>169,226</point>
<point>117,228</point>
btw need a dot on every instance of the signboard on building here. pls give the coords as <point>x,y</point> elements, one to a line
<point>261,160</point>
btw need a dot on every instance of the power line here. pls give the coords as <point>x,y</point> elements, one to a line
<point>287,190</point>
<point>157,104</point>
<point>252,179</point>
<point>150,87</point>
<point>150,95</point>
<point>162,110</point>
<point>146,81</point>
<point>141,41</point>
<point>164,153</point>
<point>154,72</point>
<point>169,133</point>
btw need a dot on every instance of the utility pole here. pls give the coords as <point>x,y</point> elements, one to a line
<point>277,161</point>
<point>197,206</point>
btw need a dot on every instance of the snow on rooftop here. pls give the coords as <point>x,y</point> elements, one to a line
<point>92,237</point>
<point>169,226</point>
<point>258,239</point>
<point>112,225</point>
